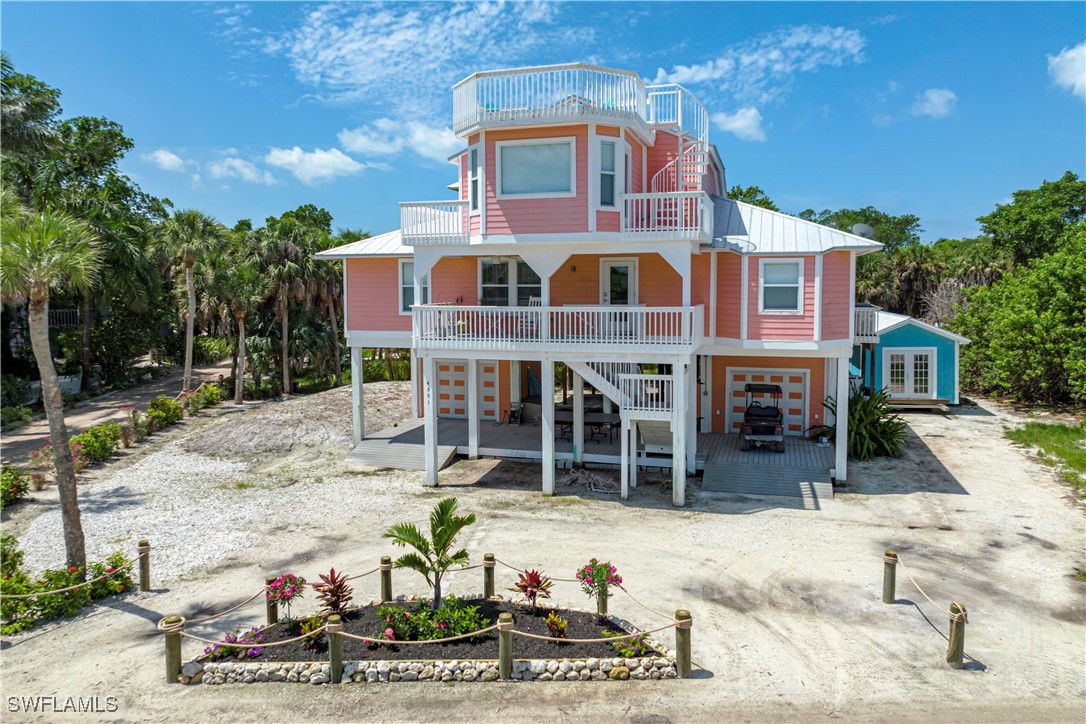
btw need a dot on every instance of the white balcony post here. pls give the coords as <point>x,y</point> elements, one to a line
<point>624,458</point>
<point>578,419</point>
<point>691,407</point>
<point>473,409</point>
<point>547,402</point>
<point>429,381</point>
<point>678,438</point>
<point>358,410</point>
<point>633,454</point>
<point>841,443</point>
<point>414,385</point>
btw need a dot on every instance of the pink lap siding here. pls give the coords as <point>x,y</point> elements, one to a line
<point>781,326</point>
<point>729,282</point>
<point>373,296</point>
<point>836,295</point>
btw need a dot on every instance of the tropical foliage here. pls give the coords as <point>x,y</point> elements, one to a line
<point>433,556</point>
<point>873,429</point>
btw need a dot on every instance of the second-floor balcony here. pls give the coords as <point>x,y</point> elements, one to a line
<point>866,326</point>
<point>672,216</point>
<point>434,223</point>
<point>581,328</point>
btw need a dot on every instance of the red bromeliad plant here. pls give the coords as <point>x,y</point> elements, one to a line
<point>533,585</point>
<point>333,592</point>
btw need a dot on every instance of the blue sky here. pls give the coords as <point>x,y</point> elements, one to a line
<point>247,110</point>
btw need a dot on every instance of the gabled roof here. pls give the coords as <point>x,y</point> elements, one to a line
<point>888,321</point>
<point>388,244</point>
<point>749,229</point>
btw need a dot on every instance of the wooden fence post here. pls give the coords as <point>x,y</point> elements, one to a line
<point>386,578</point>
<point>271,606</point>
<point>955,652</point>
<point>682,643</point>
<point>174,626</point>
<point>505,645</point>
<point>601,600</point>
<point>335,648</point>
<point>889,577</point>
<point>488,575</point>
<point>144,551</point>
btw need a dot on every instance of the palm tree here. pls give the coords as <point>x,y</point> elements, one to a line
<point>329,291</point>
<point>25,113</point>
<point>240,287</point>
<point>186,236</point>
<point>432,556</point>
<point>42,250</point>
<point>285,245</point>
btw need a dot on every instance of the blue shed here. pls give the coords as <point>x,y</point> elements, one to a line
<point>913,360</point>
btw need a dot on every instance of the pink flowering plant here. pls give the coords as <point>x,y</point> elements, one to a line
<point>285,590</point>
<point>596,579</point>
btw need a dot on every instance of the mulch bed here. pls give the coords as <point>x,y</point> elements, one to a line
<point>364,621</point>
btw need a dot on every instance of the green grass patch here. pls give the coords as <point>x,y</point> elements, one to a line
<point>1079,575</point>
<point>1060,445</point>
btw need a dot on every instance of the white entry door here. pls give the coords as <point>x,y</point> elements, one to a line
<point>618,281</point>
<point>909,373</point>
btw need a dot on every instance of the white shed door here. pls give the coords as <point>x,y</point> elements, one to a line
<point>793,400</point>
<point>452,388</point>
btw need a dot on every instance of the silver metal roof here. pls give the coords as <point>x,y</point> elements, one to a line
<point>748,229</point>
<point>387,244</point>
<point>889,320</point>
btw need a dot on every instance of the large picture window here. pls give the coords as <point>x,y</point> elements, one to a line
<point>540,169</point>
<point>407,287</point>
<point>507,282</point>
<point>781,286</point>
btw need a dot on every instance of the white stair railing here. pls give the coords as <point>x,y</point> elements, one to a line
<point>646,397</point>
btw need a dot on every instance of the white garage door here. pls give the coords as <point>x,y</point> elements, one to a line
<point>452,389</point>
<point>794,400</point>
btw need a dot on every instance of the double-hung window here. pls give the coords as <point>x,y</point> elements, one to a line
<point>407,286</point>
<point>607,173</point>
<point>781,286</point>
<point>473,180</point>
<point>507,282</point>
<point>536,169</point>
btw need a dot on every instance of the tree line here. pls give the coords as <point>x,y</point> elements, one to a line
<point>1018,290</point>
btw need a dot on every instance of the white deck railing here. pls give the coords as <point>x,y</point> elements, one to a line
<point>434,223</point>
<point>587,328</point>
<point>867,324</point>
<point>548,93</point>
<point>646,397</point>
<point>672,103</point>
<point>673,216</point>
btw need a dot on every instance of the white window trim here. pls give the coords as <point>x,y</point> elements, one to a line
<point>482,192</point>
<point>798,312</point>
<point>572,140</point>
<point>933,370</point>
<point>622,148</point>
<point>512,283</point>
<point>407,281</point>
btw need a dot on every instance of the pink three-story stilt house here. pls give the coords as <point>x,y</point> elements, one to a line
<point>590,227</point>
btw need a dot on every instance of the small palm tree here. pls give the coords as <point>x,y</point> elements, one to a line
<point>186,236</point>
<point>432,556</point>
<point>42,250</point>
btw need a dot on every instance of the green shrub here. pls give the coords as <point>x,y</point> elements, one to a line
<point>14,485</point>
<point>99,441</point>
<point>21,614</point>
<point>452,618</point>
<point>11,415</point>
<point>209,350</point>
<point>165,410</point>
<point>873,430</point>
<point>14,391</point>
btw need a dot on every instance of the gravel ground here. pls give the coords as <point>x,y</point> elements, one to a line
<point>787,619</point>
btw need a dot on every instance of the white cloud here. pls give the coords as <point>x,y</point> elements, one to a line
<point>312,167</point>
<point>165,160</point>
<point>197,181</point>
<point>386,137</point>
<point>233,167</point>
<point>761,70</point>
<point>935,102</point>
<point>745,123</point>
<point>406,57</point>
<point>1068,69</point>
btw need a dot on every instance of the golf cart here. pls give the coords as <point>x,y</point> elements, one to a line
<point>763,424</point>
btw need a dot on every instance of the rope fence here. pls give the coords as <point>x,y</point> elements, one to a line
<point>956,612</point>
<point>138,559</point>
<point>173,627</point>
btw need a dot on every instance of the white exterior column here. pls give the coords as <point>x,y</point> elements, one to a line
<point>841,463</point>
<point>608,406</point>
<point>514,385</point>
<point>633,454</point>
<point>692,416</point>
<point>358,410</point>
<point>624,458</point>
<point>578,419</point>
<point>473,409</point>
<point>547,394</point>
<point>678,438</point>
<point>429,398</point>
